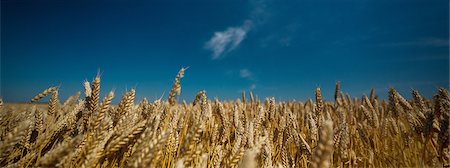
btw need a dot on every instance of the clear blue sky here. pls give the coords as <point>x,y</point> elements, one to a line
<point>283,49</point>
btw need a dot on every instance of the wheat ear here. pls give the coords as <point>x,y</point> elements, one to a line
<point>43,94</point>
<point>176,87</point>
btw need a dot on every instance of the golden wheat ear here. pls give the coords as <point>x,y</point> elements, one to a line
<point>92,102</point>
<point>198,97</point>
<point>176,87</point>
<point>53,103</point>
<point>337,90</point>
<point>44,93</point>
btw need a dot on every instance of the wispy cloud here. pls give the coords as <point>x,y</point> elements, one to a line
<point>226,41</point>
<point>425,42</point>
<point>223,42</point>
<point>284,36</point>
<point>246,74</point>
<point>253,87</point>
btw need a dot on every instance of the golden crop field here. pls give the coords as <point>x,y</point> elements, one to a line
<point>87,131</point>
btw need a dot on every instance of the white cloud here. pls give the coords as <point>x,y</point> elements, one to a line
<point>229,39</point>
<point>253,87</point>
<point>285,41</point>
<point>245,73</point>
<point>226,41</point>
<point>248,76</point>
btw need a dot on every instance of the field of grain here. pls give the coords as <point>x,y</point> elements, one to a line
<point>87,131</point>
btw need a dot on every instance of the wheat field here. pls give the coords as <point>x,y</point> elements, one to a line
<point>89,131</point>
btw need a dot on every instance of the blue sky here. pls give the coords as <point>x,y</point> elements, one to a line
<point>283,49</point>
